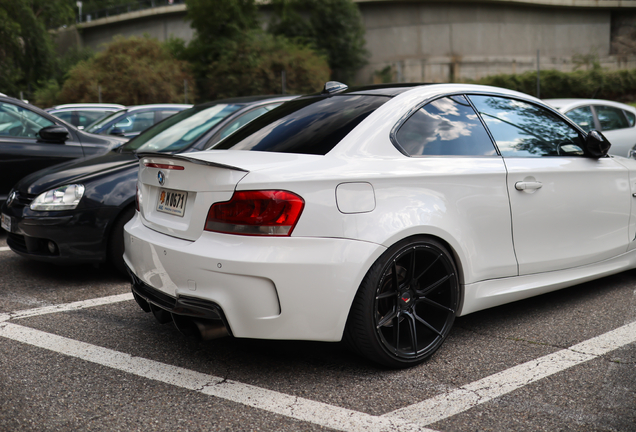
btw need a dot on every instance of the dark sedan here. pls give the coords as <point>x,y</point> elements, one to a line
<point>32,139</point>
<point>75,212</point>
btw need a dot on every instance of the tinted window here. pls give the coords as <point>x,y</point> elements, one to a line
<point>583,117</point>
<point>179,131</point>
<point>310,125</point>
<point>446,126</point>
<point>631,118</point>
<point>522,129</point>
<point>136,122</point>
<point>611,118</point>
<point>95,127</point>
<point>85,118</point>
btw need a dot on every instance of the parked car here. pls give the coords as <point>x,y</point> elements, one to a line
<point>75,213</point>
<point>32,139</point>
<point>378,215</point>
<point>617,121</point>
<point>82,115</point>
<point>131,121</point>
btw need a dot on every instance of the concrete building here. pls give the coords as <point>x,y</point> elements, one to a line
<point>440,41</point>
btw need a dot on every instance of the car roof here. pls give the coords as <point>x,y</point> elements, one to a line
<point>156,106</point>
<point>249,100</point>
<point>86,105</point>
<point>568,104</point>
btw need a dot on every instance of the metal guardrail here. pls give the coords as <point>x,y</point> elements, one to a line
<point>125,8</point>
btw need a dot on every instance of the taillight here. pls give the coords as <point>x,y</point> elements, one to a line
<point>268,212</point>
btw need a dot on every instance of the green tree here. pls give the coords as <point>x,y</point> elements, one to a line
<point>254,65</point>
<point>130,71</point>
<point>27,52</point>
<point>232,56</point>
<point>333,27</point>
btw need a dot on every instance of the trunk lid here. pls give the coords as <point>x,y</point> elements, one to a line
<point>193,182</point>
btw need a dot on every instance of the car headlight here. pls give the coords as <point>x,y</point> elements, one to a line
<point>62,198</point>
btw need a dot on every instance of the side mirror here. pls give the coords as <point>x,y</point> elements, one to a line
<point>116,131</point>
<point>596,145</point>
<point>54,133</point>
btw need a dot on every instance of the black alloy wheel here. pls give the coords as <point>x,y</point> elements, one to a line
<point>406,304</point>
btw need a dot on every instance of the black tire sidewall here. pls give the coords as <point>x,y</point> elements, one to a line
<point>360,333</point>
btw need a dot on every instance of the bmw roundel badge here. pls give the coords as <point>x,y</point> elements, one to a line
<point>161,177</point>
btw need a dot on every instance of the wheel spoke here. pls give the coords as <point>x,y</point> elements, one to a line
<point>386,318</point>
<point>396,332</point>
<point>424,292</point>
<point>394,277</point>
<point>427,325</point>
<point>435,304</point>
<point>413,331</point>
<point>386,294</point>
<point>411,274</point>
<point>428,268</point>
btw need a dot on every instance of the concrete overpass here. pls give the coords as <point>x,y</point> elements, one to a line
<point>428,40</point>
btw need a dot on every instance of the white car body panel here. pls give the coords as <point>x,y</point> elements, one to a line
<point>548,222</point>
<point>365,196</point>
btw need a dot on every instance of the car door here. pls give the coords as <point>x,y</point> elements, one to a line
<point>568,210</point>
<point>21,151</point>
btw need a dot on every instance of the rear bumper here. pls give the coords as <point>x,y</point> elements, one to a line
<point>266,288</point>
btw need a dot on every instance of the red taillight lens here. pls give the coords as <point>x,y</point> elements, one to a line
<point>270,212</point>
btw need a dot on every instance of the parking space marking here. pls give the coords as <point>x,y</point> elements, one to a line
<point>413,417</point>
<point>5,248</point>
<point>457,401</point>
<point>290,406</point>
<point>101,301</point>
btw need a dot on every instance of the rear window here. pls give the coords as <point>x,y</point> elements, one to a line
<point>310,125</point>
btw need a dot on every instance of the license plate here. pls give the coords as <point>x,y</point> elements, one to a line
<point>172,202</point>
<point>6,222</point>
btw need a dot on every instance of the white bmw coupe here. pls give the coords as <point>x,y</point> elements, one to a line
<point>377,215</point>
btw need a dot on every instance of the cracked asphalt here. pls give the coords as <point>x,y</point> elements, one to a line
<point>43,390</point>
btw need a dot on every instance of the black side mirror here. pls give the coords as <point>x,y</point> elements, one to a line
<point>54,133</point>
<point>116,131</point>
<point>596,145</point>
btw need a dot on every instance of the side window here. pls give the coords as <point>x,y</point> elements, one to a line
<point>135,123</point>
<point>445,127</point>
<point>160,115</point>
<point>88,117</point>
<point>67,116</point>
<point>20,122</point>
<point>583,117</point>
<point>631,118</point>
<point>611,118</point>
<point>522,129</point>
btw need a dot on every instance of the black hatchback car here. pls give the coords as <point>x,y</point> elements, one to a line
<point>32,139</point>
<point>75,212</point>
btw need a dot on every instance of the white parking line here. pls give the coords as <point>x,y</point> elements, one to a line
<point>5,248</point>
<point>291,406</point>
<point>473,394</point>
<point>413,417</point>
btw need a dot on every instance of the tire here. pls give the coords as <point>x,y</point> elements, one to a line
<point>116,241</point>
<point>406,304</point>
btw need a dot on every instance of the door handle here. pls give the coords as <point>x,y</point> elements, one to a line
<point>528,185</point>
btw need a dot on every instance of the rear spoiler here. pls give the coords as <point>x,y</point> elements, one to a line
<point>189,159</point>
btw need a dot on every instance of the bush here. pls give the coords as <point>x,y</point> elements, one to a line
<point>618,85</point>
<point>130,71</point>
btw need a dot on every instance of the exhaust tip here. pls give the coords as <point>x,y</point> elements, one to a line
<point>200,329</point>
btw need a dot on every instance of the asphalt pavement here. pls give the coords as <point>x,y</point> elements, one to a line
<point>77,353</point>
